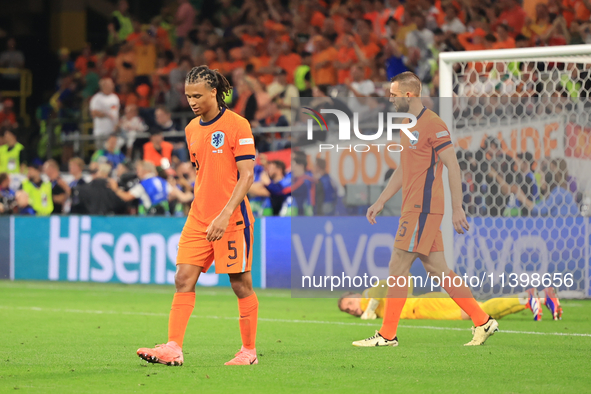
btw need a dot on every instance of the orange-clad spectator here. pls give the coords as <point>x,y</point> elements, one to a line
<point>236,60</point>
<point>370,13</point>
<point>158,151</point>
<point>348,30</point>
<point>260,63</point>
<point>145,54</point>
<point>478,40</point>
<point>244,93</point>
<point>143,96</point>
<point>378,18</point>
<point>346,57</point>
<point>338,17</point>
<point>164,64</point>
<point>209,56</point>
<point>473,41</point>
<point>504,40</point>
<point>134,38</point>
<point>566,7</point>
<point>367,46</point>
<point>272,27</point>
<point>365,28</point>
<point>222,62</point>
<point>512,15</point>
<point>125,64</point>
<point>7,116</point>
<point>162,37</point>
<point>211,59</point>
<point>126,95</point>
<point>256,40</point>
<point>107,65</point>
<point>323,71</point>
<point>248,35</point>
<point>288,61</point>
<point>317,19</point>
<point>269,25</point>
<point>582,12</point>
<point>81,64</point>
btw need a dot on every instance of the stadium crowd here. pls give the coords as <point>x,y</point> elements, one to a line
<point>273,53</point>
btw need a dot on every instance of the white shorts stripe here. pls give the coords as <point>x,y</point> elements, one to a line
<point>244,252</point>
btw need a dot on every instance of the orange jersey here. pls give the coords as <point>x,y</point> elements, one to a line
<point>215,148</point>
<point>422,184</point>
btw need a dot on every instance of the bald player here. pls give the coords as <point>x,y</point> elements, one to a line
<point>420,178</point>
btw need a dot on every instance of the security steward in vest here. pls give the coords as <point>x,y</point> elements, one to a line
<point>39,191</point>
<point>12,154</point>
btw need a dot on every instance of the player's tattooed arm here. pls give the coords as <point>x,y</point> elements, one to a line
<point>217,228</point>
<point>448,157</point>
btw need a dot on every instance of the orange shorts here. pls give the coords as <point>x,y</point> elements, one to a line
<point>419,232</point>
<point>232,254</point>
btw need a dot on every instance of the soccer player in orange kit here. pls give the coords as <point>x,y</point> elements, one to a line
<point>420,177</point>
<point>220,224</point>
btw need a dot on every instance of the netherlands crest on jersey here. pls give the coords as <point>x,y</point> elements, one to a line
<point>217,139</point>
<point>416,135</point>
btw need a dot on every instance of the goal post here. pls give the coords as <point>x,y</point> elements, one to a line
<point>536,104</point>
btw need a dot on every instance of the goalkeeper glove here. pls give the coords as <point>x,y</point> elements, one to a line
<point>370,313</point>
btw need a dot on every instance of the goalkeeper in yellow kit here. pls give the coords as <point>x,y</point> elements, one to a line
<point>370,304</point>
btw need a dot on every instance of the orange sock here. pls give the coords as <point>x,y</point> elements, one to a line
<point>463,297</point>
<point>180,312</point>
<point>395,300</point>
<point>249,311</point>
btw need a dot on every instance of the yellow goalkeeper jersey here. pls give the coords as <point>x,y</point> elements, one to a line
<point>434,306</point>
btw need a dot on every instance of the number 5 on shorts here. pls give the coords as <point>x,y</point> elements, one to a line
<point>233,249</point>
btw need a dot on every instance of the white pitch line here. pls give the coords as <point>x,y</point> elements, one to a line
<point>201,291</point>
<point>98,312</point>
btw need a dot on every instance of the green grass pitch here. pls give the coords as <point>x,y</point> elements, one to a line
<point>82,338</point>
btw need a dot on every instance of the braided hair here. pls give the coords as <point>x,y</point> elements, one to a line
<point>212,79</point>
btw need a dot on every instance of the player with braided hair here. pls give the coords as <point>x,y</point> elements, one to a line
<point>212,79</point>
<point>220,224</point>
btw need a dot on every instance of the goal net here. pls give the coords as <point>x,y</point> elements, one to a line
<point>521,121</point>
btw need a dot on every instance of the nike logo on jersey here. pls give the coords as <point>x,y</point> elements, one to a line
<point>191,144</point>
<point>229,265</point>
